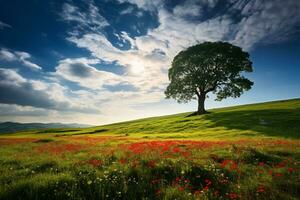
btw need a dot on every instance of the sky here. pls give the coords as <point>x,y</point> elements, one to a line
<point>103,61</point>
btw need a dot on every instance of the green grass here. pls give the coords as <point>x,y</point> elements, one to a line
<point>244,152</point>
<point>263,120</point>
<point>272,119</point>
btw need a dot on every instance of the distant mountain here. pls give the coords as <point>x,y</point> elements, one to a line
<point>11,127</point>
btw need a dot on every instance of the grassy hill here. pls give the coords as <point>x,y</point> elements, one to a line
<point>270,119</point>
<point>249,152</point>
<point>11,127</point>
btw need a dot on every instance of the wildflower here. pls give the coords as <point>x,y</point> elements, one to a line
<point>208,182</point>
<point>151,164</point>
<point>154,181</point>
<point>290,169</point>
<point>233,196</point>
<point>261,189</point>
<point>95,162</point>
<point>225,163</point>
<point>206,187</point>
<point>158,192</point>
<point>280,165</point>
<point>176,149</point>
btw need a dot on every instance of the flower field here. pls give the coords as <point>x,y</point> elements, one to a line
<point>227,154</point>
<point>83,167</point>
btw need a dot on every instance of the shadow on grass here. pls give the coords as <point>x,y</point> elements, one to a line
<point>271,122</point>
<point>92,132</point>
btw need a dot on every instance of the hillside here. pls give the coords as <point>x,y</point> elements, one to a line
<point>243,152</point>
<point>11,127</point>
<point>278,118</point>
<point>270,119</point>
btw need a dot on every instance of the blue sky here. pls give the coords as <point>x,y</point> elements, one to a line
<point>101,61</point>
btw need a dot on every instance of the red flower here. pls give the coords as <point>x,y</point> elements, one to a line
<point>224,163</point>
<point>290,169</point>
<point>151,164</point>
<point>261,189</point>
<point>154,181</point>
<point>176,149</point>
<point>208,182</point>
<point>122,161</point>
<point>206,187</point>
<point>95,162</point>
<point>233,166</point>
<point>233,196</point>
<point>280,165</point>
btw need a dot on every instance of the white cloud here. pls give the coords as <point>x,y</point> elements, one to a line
<point>146,5</point>
<point>128,10</point>
<point>4,25</point>
<point>81,72</point>
<point>90,20</point>
<point>261,22</point>
<point>17,90</point>
<point>266,22</point>
<point>143,66</point>
<point>18,56</point>
<point>7,55</point>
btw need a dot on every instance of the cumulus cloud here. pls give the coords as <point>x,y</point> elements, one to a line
<point>17,90</point>
<point>19,56</point>
<point>245,23</point>
<point>80,71</point>
<point>266,21</point>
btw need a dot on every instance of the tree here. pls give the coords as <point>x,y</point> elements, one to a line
<point>209,67</point>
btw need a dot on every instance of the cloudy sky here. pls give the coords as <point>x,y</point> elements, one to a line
<point>102,61</point>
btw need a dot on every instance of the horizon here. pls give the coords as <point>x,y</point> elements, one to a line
<point>101,62</point>
<point>230,106</point>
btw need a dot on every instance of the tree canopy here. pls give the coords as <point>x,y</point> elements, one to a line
<point>216,67</point>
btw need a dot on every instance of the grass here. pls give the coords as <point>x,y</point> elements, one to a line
<point>243,152</point>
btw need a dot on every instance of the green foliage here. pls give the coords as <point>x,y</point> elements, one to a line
<point>209,67</point>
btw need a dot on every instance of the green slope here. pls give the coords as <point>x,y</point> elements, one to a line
<point>270,119</point>
<point>278,118</point>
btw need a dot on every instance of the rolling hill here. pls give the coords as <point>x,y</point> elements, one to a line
<point>11,127</point>
<point>242,152</point>
<point>269,119</point>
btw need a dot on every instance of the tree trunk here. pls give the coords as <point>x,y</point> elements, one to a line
<point>201,108</point>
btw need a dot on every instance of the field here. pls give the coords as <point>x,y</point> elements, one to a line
<point>243,152</point>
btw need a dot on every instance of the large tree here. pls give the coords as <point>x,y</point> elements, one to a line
<point>216,67</point>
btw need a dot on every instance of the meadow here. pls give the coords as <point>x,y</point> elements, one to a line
<point>242,152</point>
